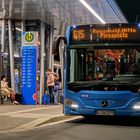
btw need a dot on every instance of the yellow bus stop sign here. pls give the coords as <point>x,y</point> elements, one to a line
<point>29,37</point>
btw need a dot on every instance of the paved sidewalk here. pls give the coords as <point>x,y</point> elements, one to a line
<point>20,117</point>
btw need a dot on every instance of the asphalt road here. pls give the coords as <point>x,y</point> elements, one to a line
<point>83,129</point>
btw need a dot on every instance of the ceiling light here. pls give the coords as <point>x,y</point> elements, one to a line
<point>74,26</point>
<point>92,11</point>
<point>18,29</point>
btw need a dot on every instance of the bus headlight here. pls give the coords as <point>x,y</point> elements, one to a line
<point>71,103</point>
<point>137,106</point>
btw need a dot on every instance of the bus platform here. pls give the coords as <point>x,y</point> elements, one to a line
<point>14,118</point>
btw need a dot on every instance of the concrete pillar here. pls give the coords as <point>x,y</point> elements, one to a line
<point>50,50</point>
<point>23,25</point>
<point>11,54</point>
<point>3,27</point>
<point>42,32</point>
<point>3,36</point>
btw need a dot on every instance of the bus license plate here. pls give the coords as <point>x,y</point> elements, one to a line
<point>105,113</point>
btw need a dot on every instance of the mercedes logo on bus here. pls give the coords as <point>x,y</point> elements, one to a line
<point>104,103</point>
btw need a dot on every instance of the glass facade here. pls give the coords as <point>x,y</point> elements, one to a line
<point>29,25</point>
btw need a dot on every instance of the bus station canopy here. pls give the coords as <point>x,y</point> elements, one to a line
<point>56,12</point>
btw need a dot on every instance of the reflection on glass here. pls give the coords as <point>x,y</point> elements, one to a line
<point>99,64</point>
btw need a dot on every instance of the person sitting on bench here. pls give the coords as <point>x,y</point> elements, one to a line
<point>10,92</point>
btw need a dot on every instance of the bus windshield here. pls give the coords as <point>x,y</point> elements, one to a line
<point>88,64</point>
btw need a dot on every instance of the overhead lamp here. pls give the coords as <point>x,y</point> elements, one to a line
<point>16,55</point>
<point>74,26</point>
<point>92,11</point>
<point>18,29</point>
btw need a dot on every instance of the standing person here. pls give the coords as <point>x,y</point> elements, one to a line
<point>56,88</point>
<point>50,85</point>
<point>10,92</point>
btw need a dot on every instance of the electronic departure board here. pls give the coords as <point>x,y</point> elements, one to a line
<point>108,33</point>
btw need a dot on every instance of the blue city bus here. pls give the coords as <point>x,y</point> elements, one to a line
<point>102,70</point>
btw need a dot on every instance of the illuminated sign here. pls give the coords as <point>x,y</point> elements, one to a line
<point>29,67</point>
<point>30,38</point>
<point>29,64</point>
<point>78,34</point>
<point>114,33</point>
<point>106,33</point>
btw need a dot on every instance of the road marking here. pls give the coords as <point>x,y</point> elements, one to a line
<point>62,121</point>
<point>33,124</point>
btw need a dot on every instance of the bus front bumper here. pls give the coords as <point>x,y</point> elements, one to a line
<point>77,110</point>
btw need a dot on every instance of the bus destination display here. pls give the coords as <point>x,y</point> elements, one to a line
<point>106,33</point>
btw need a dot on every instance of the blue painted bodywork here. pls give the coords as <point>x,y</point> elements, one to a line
<point>121,102</point>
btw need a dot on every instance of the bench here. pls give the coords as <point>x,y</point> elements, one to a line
<point>5,97</point>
